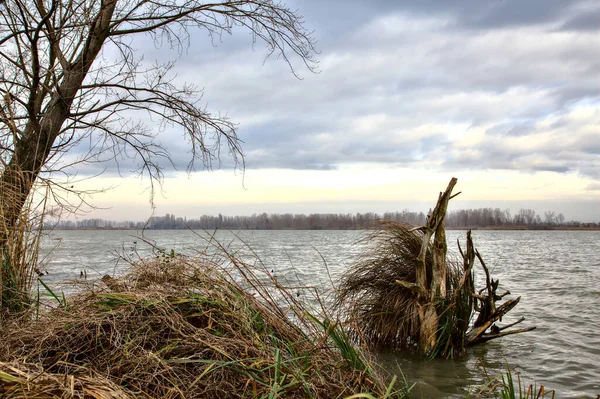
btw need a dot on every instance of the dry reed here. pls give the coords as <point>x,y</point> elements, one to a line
<point>19,249</point>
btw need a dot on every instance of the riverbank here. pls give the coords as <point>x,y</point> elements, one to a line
<point>176,327</point>
<point>465,218</point>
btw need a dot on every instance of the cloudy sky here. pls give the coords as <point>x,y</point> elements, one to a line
<point>502,94</point>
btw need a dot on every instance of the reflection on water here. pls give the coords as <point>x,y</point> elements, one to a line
<point>557,274</point>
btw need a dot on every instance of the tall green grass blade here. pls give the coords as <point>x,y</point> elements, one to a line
<point>61,302</point>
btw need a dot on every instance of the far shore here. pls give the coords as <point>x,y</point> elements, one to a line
<point>503,228</point>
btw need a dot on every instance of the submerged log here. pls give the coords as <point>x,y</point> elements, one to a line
<point>497,314</point>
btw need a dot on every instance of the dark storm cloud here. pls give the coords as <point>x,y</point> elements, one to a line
<point>511,13</point>
<point>301,146</point>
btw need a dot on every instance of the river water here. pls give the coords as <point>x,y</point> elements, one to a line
<point>557,274</point>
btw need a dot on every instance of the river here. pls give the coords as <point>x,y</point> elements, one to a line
<point>557,274</point>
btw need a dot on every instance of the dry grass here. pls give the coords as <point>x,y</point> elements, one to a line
<point>184,328</point>
<point>19,245</point>
<point>30,381</point>
<point>383,313</point>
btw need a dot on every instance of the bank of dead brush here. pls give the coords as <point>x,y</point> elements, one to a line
<point>183,328</point>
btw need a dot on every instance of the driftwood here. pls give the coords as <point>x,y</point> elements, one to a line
<point>431,290</point>
<point>484,301</point>
<point>489,314</point>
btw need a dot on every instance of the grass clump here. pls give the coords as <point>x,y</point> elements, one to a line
<point>384,313</point>
<point>506,386</point>
<point>176,327</point>
<point>20,380</point>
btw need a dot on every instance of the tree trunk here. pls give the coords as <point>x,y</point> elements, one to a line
<point>34,146</point>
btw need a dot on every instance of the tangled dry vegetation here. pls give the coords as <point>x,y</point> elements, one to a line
<point>406,291</point>
<point>387,313</point>
<point>181,328</point>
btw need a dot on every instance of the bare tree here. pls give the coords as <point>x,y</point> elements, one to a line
<point>61,84</point>
<point>550,217</point>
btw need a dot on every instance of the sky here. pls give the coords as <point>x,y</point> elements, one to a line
<point>502,94</point>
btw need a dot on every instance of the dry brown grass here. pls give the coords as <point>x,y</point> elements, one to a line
<point>383,313</point>
<point>20,380</point>
<point>183,328</point>
<point>19,249</point>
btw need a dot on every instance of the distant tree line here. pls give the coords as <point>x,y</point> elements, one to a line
<point>464,218</point>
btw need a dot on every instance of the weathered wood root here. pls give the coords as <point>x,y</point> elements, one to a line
<point>478,334</point>
<point>430,287</point>
<point>415,289</point>
<point>489,336</point>
<point>488,312</point>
